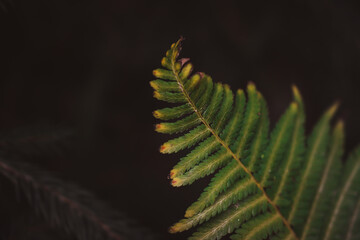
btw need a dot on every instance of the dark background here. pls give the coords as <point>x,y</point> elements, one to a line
<point>86,65</point>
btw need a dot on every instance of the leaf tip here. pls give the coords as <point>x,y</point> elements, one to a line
<point>296,93</point>
<point>173,173</point>
<point>182,61</point>
<point>175,228</point>
<point>157,114</point>
<point>251,86</point>
<point>165,62</point>
<point>165,147</point>
<point>201,74</point>
<point>331,111</point>
<point>227,87</point>
<point>240,91</point>
<point>156,73</point>
<point>161,128</point>
<point>339,127</point>
<point>176,182</point>
<point>154,85</point>
<point>189,213</point>
<point>156,95</point>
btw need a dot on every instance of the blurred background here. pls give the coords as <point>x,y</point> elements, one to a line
<point>86,66</point>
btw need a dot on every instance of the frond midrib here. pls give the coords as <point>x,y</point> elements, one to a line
<point>207,125</point>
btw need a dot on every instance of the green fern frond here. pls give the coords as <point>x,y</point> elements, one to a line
<point>262,187</point>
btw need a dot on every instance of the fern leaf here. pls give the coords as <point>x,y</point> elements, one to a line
<point>278,142</point>
<point>310,178</point>
<point>262,187</point>
<point>260,139</point>
<point>345,213</point>
<point>250,122</point>
<point>326,191</point>
<point>293,160</point>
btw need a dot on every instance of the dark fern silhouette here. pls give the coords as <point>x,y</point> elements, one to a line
<point>63,205</point>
